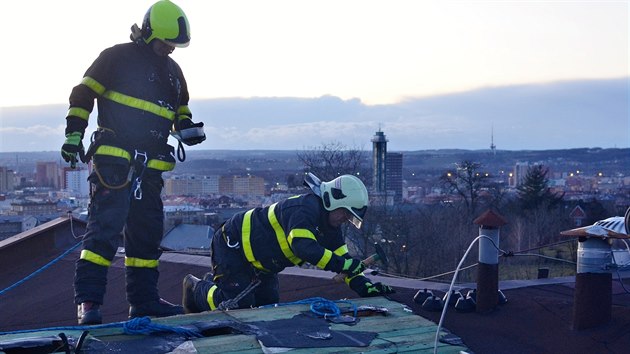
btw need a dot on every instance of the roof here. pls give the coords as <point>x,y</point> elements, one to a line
<point>536,318</point>
<point>185,237</point>
<point>183,208</point>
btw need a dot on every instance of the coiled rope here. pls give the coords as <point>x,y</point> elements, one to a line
<point>320,306</point>
<point>143,325</point>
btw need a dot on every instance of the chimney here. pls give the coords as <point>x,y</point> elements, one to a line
<point>488,270</point>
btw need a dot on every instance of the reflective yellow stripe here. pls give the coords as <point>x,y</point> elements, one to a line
<point>160,165</point>
<point>113,151</point>
<point>348,279</point>
<point>341,250</point>
<point>122,153</point>
<point>141,263</point>
<point>131,101</point>
<point>79,112</point>
<point>139,104</point>
<point>183,110</point>
<point>94,85</point>
<point>323,262</point>
<point>282,238</point>
<point>95,258</point>
<point>210,297</point>
<point>301,233</point>
<point>247,245</point>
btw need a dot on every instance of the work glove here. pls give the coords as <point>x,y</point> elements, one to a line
<point>352,267</point>
<point>195,136</point>
<point>72,147</point>
<point>377,289</point>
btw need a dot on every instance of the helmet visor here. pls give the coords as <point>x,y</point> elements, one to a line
<point>356,221</point>
<point>357,216</point>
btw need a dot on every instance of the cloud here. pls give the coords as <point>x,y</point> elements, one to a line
<point>34,131</point>
<point>559,115</point>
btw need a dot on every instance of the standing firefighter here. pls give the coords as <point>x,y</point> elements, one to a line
<point>251,248</point>
<point>142,96</point>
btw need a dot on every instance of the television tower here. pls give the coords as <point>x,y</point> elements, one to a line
<point>492,146</point>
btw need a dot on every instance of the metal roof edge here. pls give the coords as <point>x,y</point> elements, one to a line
<point>407,283</point>
<point>10,241</point>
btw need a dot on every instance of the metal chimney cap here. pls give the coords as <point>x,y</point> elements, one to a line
<point>490,218</point>
<point>613,227</point>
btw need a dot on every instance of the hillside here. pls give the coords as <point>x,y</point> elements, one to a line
<point>274,164</point>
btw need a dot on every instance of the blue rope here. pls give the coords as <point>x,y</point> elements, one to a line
<point>40,269</point>
<point>143,325</point>
<point>138,325</point>
<point>320,306</point>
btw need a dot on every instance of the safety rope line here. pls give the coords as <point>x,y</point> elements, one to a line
<point>450,289</point>
<point>138,325</point>
<point>503,254</point>
<point>231,304</point>
<point>48,265</point>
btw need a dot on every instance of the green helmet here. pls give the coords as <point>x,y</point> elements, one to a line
<point>167,22</point>
<point>346,191</point>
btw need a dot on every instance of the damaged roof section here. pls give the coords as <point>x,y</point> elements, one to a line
<point>364,325</point>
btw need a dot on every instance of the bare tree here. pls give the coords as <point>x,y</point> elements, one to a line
<point>334,159</point>
<point>394,230</point>
<point>466,182</point>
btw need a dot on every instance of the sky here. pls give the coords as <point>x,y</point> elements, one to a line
<point>379,52</point>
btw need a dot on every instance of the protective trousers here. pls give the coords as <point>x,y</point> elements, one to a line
<point>233,274</point>
<point>114,211</point>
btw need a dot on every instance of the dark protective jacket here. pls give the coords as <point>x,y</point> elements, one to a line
<point>288,233</point>
<point>140,96</point>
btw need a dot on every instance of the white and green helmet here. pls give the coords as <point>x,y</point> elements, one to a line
<point>346,191</point>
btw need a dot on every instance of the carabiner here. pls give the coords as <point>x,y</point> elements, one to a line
<point>142,154</point>
<point>227,239</point>
<point>137,192</point>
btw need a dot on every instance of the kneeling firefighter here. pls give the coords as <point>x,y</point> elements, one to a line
<point>251,248</point>
<point>142,97</point>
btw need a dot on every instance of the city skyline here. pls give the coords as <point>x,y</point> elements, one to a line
<point>562,115</point>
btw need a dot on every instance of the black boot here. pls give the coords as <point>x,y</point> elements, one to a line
<point>143,297</point>
<point>159,308</point>
<point>195,294</point>
<point>89,313</point>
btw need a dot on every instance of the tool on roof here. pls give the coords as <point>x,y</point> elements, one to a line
<point>231,304</point>
<point>378,256</point>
